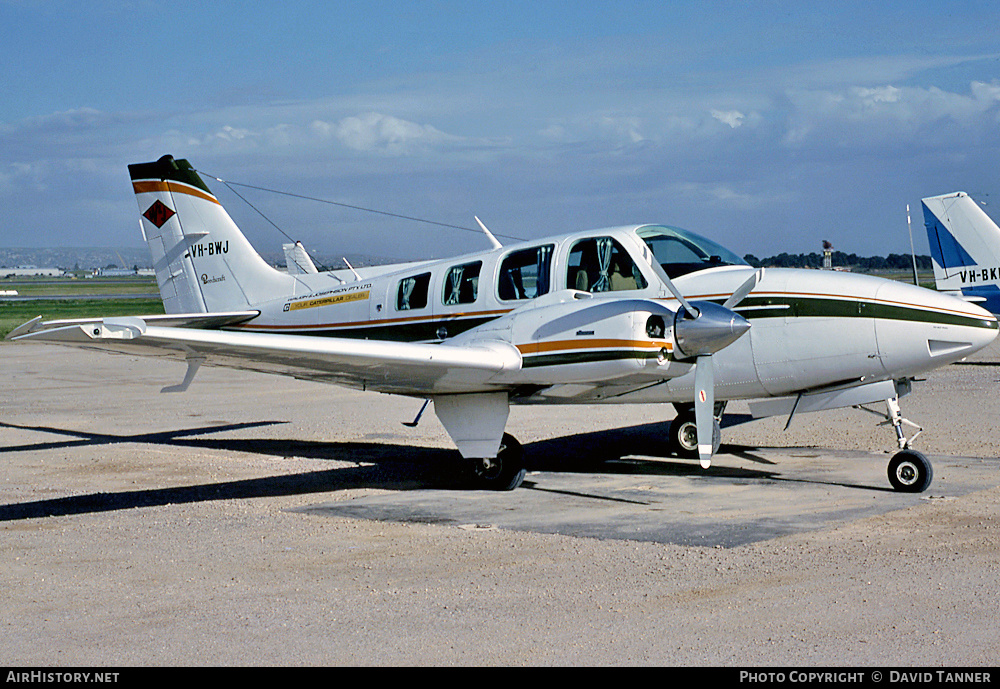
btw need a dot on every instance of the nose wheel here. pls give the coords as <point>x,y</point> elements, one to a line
<point>910,472</point>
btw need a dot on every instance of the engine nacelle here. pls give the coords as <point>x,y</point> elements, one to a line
<point>576,337</point>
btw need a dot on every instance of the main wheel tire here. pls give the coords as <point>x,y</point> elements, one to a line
<point>910,472</point>
<point>683,440</point>
<point>506,471</point>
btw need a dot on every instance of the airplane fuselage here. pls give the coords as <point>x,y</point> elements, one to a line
<point>811,329</point>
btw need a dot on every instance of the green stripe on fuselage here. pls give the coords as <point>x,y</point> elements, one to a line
<point>821,307</point>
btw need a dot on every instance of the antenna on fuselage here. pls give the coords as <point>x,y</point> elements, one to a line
<point>913,254</point>
<point>344,259</point>
<point>489,235</point>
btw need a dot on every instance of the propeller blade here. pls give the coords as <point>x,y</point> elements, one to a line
<point>743,290</point>
<point>704,407</point>
<point>690,311</point>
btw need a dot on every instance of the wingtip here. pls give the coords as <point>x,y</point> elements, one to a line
<point>23,329</point>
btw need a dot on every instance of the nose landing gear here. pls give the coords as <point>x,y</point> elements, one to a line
<point>909,471</point>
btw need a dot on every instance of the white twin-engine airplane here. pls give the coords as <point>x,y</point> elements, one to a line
<point>636,314</point>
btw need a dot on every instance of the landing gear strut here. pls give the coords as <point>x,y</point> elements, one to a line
<point>506,471</point>
<point>909,471</point>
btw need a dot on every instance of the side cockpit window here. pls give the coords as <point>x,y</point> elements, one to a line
<point>601,264</point>
<point>412,292</point>
<point>680,252</point>
<point>461,284</point>
<point>525,274</point>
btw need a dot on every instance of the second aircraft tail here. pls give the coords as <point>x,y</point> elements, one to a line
<point>965,248</point>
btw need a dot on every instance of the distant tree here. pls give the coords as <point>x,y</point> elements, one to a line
<point>841,260</point>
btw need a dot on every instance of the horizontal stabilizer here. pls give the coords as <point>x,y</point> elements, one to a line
<point>297,261</point>
<point>36,326</point>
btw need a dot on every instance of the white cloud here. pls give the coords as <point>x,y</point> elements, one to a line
<point>734,118</point>
<point>863,116</point>
<point>376,132</point>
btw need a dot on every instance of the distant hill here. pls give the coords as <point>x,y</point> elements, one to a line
<point>70,258</point>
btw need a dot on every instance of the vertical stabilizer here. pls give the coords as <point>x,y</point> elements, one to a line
<point>965,248</point>
<point>203,262</point>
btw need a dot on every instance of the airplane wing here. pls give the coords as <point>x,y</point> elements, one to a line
<point>395,367</point>
<point>181,320</point>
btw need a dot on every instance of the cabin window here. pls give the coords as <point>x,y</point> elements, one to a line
<point>525,274</point>
<point>461,284</point>
<point>602,265</point>
<point>412,292</point>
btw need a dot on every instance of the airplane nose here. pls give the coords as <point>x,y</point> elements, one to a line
<point>922,329</point>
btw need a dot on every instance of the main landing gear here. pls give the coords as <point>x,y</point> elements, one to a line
<point>683,434</point>
<point>475,421</point>
<point>506,471</point>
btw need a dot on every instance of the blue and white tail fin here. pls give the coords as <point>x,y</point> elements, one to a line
<point>965,248</point>
<point>203,262</point>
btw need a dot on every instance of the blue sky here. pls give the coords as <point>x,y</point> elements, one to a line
<point>767,126</point>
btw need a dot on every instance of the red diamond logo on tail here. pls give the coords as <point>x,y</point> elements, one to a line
<point>158,213</point>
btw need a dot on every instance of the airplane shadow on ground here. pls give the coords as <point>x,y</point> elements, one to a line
<point>635,450</point>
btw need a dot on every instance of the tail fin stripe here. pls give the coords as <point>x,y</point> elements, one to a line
<point>172,187</point>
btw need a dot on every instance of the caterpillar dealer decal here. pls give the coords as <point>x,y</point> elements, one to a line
<point>329,300</point>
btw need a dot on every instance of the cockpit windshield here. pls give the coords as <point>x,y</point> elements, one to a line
<point>681,252</point>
